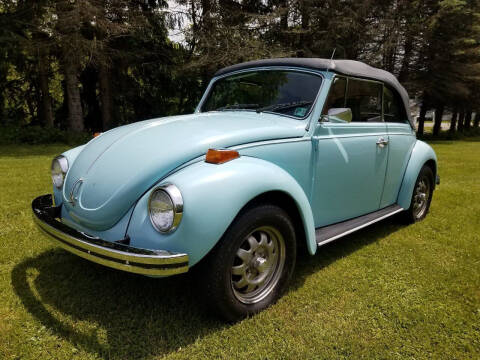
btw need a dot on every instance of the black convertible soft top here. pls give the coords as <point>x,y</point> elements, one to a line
<point>345,67</point>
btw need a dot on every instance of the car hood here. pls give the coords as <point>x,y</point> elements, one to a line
<point>113,170</point>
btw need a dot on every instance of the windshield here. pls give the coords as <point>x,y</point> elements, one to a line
<point>280,91</point>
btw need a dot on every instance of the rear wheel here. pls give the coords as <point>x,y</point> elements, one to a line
<point>421,197</point>
<point>252,264</point>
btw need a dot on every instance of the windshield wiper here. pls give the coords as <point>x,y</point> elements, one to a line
<point>283,106</point>
<point>237,107</point>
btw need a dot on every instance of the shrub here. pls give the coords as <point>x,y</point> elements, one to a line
<point>40,135</point>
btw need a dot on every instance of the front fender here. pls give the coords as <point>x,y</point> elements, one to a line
<point>421,153</point>
<point>213,195</point>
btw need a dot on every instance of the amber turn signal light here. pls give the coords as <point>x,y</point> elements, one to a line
<point>215,156</point>
<point>97,134</point>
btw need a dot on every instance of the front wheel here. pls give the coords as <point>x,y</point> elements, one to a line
<point>252,264</point>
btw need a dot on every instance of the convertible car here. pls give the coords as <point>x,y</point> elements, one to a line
<point>279,153</point>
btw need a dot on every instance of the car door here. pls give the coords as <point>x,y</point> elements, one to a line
<point>401,141</point>
<point>350,156</point>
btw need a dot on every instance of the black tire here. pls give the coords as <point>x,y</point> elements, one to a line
<point>418,212</point>
<point>268,222</point>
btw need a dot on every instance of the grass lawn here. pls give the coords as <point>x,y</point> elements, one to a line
<point>389,291</point>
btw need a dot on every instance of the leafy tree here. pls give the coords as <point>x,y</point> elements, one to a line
<point>448,61</point>
<point>91,64</point>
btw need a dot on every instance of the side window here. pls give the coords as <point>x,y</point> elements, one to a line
<point>336,95</point>
<point>393,109</point>
<point>364,98</point>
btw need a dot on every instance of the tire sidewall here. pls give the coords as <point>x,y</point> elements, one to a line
<point>428,174</point>
<point>224,254</point>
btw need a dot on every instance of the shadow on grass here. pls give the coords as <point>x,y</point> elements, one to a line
<point>342,247</point>
<point>139,317</point>
<point>111,313</point>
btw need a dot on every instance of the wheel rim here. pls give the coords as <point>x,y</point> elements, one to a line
<point>258,265</point>
<point>420,199</point>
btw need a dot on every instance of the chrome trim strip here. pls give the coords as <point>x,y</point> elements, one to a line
<point>401,133</point>
<point>326,137</point>
<point>75,188</point>
<point>305,138</point>
<point>359,227</point>
<point>270,142</point>
<point>114,255</point>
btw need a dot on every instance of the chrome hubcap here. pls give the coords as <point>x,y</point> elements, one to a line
<point>258,265</point>
<point>420,199</point>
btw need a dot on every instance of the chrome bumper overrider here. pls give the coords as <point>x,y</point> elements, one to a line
<point>113,254</point>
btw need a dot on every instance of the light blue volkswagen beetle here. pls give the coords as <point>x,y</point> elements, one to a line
<point>278,153</point>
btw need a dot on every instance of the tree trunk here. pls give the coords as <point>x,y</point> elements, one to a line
<point>305,14</point>
<point>468,119</point>
<point>3,81</point>
<point>305,41</point>
<point>461,117</point>
<point>206,14</point>
<point>438,119</point>
<point>3,118</point>
<point>408,49</point>
<point>75,114</point>
<point>47,112</point>
<point>284,38</point>
<point>476,122</point>
<point>421,119</point>
<point>193,40</point>
<point>106,101</point>
<point>453,121</point>
<point>284,15</point>
<point>31,100</point>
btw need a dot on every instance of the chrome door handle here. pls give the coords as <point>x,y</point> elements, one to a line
<point>381,142</point>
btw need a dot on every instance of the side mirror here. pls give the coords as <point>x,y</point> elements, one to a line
<point>338,115</point>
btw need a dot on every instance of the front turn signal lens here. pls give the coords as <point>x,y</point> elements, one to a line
<point>215,156</point>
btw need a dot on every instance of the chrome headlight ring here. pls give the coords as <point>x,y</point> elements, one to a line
<point>165,208</point>
<point>59,170</point>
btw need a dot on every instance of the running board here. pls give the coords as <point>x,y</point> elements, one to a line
<point>332,232</point>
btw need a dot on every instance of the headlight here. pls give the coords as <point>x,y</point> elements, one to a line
<point>166,208</point>
<point>59,170</point>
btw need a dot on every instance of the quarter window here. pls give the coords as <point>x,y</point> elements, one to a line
<point>393,109</point>
<point>364,98</point>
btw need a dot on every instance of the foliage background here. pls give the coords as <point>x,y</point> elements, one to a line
<point>89,65</point>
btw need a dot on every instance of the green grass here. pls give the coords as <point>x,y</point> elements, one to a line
<point>389,291</point>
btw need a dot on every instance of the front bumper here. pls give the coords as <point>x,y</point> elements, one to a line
<point>112,254</point>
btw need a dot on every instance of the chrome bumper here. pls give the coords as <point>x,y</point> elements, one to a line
<point>113,254</point>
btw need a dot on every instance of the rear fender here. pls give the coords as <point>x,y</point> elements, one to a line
<point>421,154</point>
